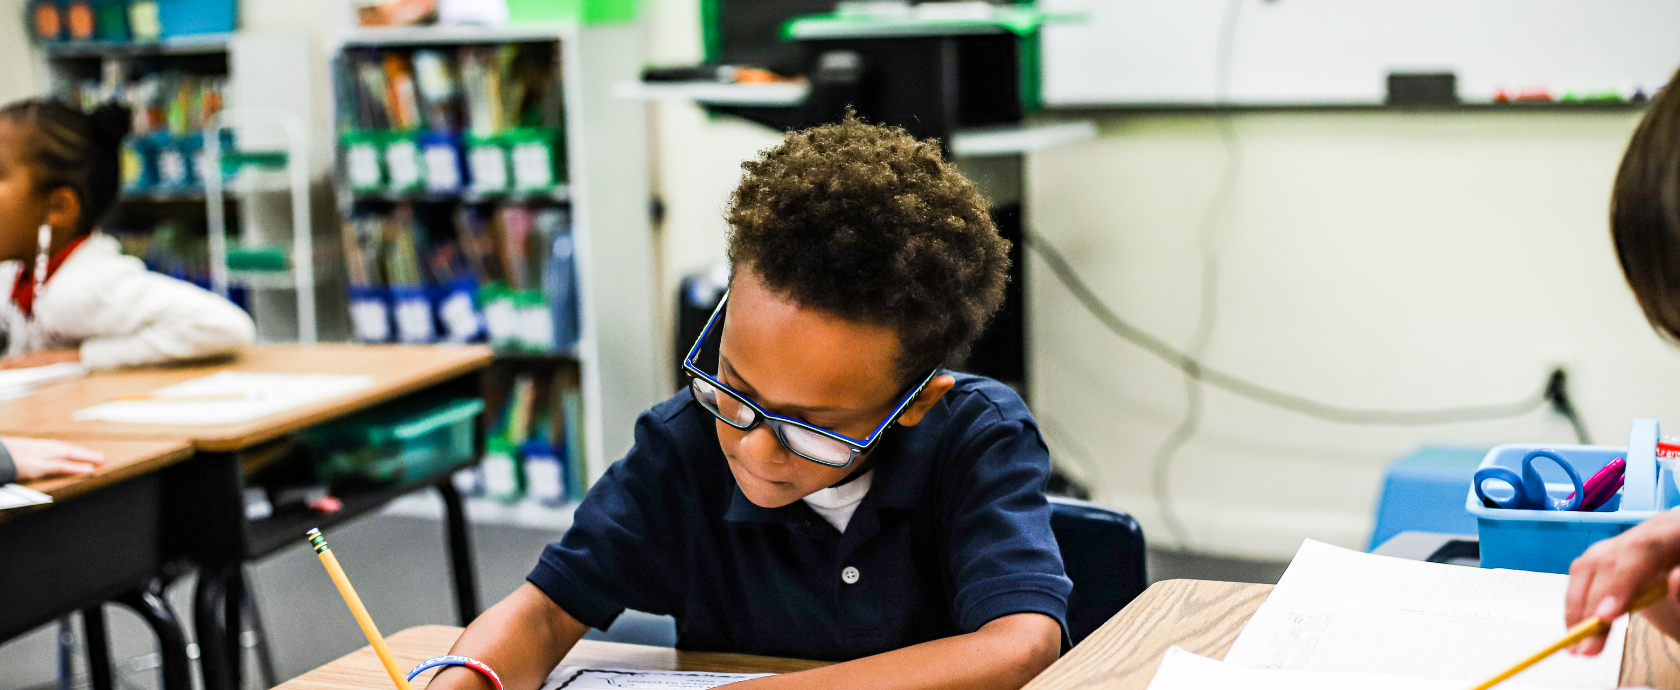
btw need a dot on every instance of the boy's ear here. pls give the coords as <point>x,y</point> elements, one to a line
<point>64,208</point>
<point>931,393</point>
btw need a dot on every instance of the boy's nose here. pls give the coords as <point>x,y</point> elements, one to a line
<point>761,445</point>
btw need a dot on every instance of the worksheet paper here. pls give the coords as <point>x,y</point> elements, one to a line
<point>1343,611</point>
<point>1182,670</point>
<point>16,383</point>
<point>227,397</point>
<point>580,678</point>
<point>14,496</point>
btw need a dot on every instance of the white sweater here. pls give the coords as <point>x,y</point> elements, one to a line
<point>120,314</point>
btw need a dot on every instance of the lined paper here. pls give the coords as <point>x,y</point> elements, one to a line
<point>1182,670</point>
<point>578,678</point>
<point>1343,611</point>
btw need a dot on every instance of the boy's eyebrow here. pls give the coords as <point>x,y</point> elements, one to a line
<point>723,364</point>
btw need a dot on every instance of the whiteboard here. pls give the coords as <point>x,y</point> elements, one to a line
<point>1299,52</point>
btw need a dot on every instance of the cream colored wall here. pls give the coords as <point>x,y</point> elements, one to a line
<point>1368,259</point>
<point>17,67</point>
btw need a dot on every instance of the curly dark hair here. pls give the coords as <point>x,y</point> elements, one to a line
<point>866,223</point>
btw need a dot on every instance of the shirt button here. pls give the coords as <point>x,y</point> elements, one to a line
<point>849,575</point>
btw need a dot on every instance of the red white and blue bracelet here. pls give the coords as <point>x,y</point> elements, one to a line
<point>457,660</point>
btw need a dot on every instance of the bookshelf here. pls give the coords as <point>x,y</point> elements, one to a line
<point>600,185</point>
<point>169,203</point>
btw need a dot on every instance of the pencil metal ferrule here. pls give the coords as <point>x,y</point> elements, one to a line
<point>317,540</point>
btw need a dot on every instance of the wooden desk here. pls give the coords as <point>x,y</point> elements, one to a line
<point>98,541</point>
<point>360,670</point>
<point>396,371</point>
<point>203,519</point>
<point>1205,617</point>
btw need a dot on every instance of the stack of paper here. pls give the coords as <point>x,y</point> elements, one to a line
<point>15,496</point>
<point>228,397</point>
<point>1181,670</point>
<point>16,383</point>
<point>578,678</point>
<point>1341,618</point>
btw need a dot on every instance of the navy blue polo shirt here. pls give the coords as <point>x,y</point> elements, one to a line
<point>954,532</point>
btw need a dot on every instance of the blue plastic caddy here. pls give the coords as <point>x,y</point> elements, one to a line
<point>1549,540</point>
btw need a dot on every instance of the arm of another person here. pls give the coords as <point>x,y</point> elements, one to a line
<point>125,315</point>
<point>33,458</point>
<point>1605,578</point>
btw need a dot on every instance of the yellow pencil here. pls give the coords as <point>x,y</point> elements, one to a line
<point>1582,631</point>
<point>357,609</point>
<point>209,397</point>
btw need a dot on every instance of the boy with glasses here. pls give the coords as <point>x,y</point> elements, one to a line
<point>823,488</point>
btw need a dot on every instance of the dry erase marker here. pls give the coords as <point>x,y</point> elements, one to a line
<point>357,609</point>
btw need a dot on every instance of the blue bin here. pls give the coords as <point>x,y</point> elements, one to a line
<point>1420,493</point>
<point>1549,540</point>
<point>187,17</point>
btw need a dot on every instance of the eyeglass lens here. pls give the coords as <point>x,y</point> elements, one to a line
<point>797,439</point>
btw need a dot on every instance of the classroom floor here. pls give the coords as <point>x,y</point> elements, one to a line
<point>398,566</point>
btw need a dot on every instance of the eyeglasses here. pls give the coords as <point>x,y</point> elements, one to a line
<point>808,441</point>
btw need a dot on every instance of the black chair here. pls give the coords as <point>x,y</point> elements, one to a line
<point>1102,549</point>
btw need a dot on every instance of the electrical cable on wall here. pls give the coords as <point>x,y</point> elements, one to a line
<point>1554,391</point>
<point>1208,312</point>
<point>1189,360</point>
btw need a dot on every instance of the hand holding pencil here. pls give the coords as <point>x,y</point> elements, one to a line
<point>1613,572</point>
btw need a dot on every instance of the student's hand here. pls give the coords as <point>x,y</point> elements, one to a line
<point>40,358</point>
<point>36,458</point>
<point>1611,573</point>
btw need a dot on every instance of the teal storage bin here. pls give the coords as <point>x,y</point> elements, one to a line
<point>397,443</point>
<point>1549,540</point>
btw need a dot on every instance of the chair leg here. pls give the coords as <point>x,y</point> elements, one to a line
<point>232,618</point>
<point>460,553</point>
<point>176,670</point>
<point>214,656</point>
<point>66,652</point>
<point>98,645</point>
<point>265,654</point>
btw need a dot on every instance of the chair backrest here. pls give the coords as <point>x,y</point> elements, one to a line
<point>1103,552</point>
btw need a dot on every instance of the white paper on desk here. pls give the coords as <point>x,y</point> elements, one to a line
<point>16,383</point>
<point>584,678</point>
<point>14,496</point>
<point>1182,670</point>
<point>1343,611</point>
<point>255,395</point>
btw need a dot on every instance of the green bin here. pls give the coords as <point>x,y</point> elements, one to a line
<point>397,443</point>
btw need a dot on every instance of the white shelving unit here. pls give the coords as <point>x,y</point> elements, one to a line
<point>262,77</point>
<point>618,352</point>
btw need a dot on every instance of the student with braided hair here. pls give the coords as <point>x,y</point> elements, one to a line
<point>71,294</point>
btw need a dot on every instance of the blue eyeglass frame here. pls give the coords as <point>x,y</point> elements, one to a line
<point>858,447</point>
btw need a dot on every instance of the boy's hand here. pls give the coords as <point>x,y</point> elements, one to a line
<point>36,457</point>
<point>1002,655</point>
<point>40,358</point>
<point>1611,573</point>
<point>523,638</point>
